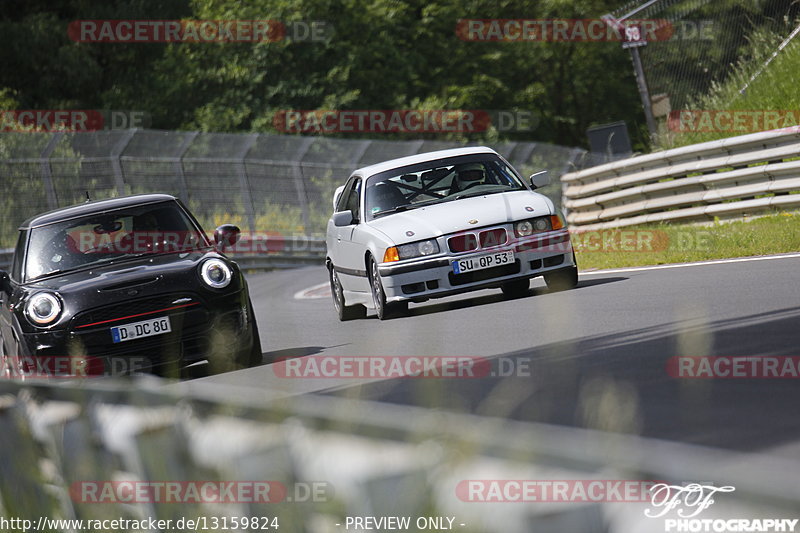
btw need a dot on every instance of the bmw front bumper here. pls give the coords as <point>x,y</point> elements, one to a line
<point>420,279</point>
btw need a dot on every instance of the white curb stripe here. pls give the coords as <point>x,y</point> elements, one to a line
<point>315,292</point>
<point>699,263</point>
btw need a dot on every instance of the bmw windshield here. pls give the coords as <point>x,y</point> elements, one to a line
<point>438,181</point>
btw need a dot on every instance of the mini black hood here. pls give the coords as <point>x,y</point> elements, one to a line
<point>116,282</point>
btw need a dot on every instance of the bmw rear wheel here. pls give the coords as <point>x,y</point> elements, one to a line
<point>344,311</point>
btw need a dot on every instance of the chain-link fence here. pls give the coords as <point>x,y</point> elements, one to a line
<point>262,182</point>
<point>698,43</point>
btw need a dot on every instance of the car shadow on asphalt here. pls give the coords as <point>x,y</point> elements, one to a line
<point>464,303</point>
<point>202,370</point>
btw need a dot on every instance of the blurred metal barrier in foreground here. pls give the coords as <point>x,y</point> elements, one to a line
<point>335,458</point>
<point>734,177</point>
<point>262,182</point>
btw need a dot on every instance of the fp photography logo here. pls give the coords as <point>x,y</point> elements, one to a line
<point>687,502</point>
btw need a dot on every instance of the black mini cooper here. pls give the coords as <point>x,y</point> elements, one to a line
<point>120,286</point>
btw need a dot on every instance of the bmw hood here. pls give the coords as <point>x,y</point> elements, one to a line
<point>451,217</point>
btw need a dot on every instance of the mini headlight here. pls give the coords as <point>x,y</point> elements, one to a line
<point>216,273</point>
<point>418,249</point>
<point>43,308</point>
<point>524,228</point>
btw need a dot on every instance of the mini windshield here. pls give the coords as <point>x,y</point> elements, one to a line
<point>106,237</point>
<point>438,181</point>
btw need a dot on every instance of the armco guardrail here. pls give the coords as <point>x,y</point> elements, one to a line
<point>734,177</point>
<point>79,450</point>
<point>296,251</point>
<point>299,250</point>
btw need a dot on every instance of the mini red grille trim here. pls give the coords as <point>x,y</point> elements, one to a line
<point>140,314</point>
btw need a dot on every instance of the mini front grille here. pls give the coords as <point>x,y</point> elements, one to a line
<point>130,308</point>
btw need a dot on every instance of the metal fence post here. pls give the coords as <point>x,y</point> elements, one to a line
<point>116,163</point>
<point>416,146</point>
<point>360,153</point>
<point>299,182</point>
<point>47,170</point>
<point>244,181</point>
<point>569,165</point>
<point>177,165</point>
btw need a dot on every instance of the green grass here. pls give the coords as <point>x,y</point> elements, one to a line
<point>663,244</point>
<point>775,88</point>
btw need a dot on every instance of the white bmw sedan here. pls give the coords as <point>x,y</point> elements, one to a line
<point>442,223</point>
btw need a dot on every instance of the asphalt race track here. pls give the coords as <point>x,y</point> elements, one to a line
<point>594,357</point>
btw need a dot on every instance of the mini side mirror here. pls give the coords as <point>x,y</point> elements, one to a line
<point>226,235</point>
<point>343,218</point>
<point>540,179</point>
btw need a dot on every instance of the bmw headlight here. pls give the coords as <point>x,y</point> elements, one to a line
<point>525,228</point>
<point>43,308</point>
<point>216,273</point>
<point>418,249</point>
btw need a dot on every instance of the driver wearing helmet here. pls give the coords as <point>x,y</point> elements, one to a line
<point>467,175</point>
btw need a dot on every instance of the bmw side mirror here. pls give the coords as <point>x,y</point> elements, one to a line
<point>540,179</point>
<point>226,235</point>
<point>343,218</point>
<point>337,195</point>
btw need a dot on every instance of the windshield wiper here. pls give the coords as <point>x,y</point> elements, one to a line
<point>397,209</point>
<point>476,193</point>
<point>49,274</point>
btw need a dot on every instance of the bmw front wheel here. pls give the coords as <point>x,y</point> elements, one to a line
<point>383,308</point>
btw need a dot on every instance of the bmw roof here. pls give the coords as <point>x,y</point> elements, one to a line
<point>421,158</point>
<point>92,207</point>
